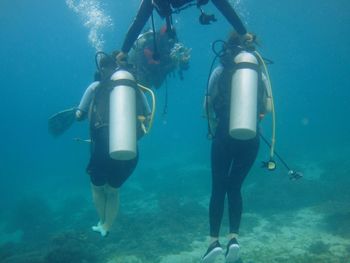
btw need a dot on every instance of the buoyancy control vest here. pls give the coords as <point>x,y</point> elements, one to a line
<point>147,70</point>
<point>99,108</point>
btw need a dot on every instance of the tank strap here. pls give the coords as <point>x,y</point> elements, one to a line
<point>124,82</point>
<point>248,65</point>
<point>98,112</point>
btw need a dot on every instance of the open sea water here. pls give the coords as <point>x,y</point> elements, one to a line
<point>47,61</point>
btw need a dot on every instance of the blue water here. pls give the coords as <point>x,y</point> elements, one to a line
<point>47,61</point>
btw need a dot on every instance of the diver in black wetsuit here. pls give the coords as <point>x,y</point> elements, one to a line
<point>231,158</point>
<point>165,8</point>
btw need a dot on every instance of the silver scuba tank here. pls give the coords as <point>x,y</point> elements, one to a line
<point>122,117</point>
<point>244,97</point>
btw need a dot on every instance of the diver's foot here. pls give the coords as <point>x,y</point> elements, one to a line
<point>232,252</point>
<point>99,228</point>
<point>214,250</point>
<point>96,228</point>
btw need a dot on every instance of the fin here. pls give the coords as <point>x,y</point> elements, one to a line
<point>61,121</point>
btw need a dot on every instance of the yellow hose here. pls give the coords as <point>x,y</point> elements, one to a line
<point>150,124</point>
<point>273,135</point>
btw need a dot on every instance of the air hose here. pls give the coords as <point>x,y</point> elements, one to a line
<point>270,96</point>
<point>150,124</point>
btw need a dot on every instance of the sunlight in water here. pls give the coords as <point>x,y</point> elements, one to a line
<point>94,18</point>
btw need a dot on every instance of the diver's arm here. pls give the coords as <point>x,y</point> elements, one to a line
<point>143,14</point>
<point>214,81</point>
<point>85,101</point>
<point>230,14</point>
<point>211,93</point>
<point>146,109</point>
<point>143,114</point>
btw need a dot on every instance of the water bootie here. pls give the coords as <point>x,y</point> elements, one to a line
<point>232,252</point>
<point>99,228</point>
<point>213,251</point>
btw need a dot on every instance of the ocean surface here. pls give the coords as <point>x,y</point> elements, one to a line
<point>47,61</point>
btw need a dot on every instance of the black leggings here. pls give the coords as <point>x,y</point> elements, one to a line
<point>231,161</point>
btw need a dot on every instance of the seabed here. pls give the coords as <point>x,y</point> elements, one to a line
<point>282,238</point>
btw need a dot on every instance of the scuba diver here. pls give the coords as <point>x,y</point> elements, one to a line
<point>108,172</point>
<point>165,9</point>
<point>237,98</point>
<point>172,55</point>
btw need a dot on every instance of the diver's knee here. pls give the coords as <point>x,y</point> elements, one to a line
<point>111,190</point>
<point>98,188</point>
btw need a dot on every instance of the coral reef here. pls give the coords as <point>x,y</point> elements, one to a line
<point>72,247</point>
<point>249,222</point>
<point>318,248</point>
<point>150,236</point>
<point>7,250</point>
<point>277,193</point>
<point>34,217</point>
<point>19,253</point>
<point>338,224</point>
<point>75,212</point>
<point>29,257</point>
<point>164,219</point>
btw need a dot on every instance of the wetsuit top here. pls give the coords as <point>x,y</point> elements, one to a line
<point>146,8</point>
<point>87,97</point>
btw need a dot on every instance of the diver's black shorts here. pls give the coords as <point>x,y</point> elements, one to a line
<point>105,170</point>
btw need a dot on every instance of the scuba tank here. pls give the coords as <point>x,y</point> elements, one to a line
<point>122,117</point>
<point>244,97</point>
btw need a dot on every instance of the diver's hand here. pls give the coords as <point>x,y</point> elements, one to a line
<point>184,62</point>
<point>79,115</point>
<point>122,59</point>
<point>248,38</point>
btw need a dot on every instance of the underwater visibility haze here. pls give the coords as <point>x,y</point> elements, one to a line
<point>47,61</point>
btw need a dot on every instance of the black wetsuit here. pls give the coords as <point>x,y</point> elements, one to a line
<point>146,9</point>
<point>231,160</point>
